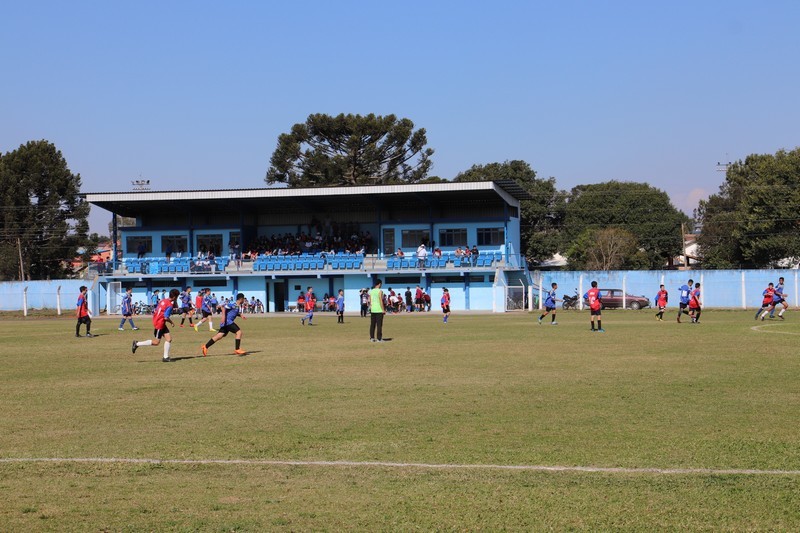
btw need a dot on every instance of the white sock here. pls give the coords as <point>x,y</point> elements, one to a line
<point>210,325</point>
<point>144,343</point>
<point>781,312</point>
<point>166,349</point>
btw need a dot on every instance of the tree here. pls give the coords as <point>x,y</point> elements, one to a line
<point>350,150</point>
<point>541,218</point>
<point>643,211</point>
<point>753,220</point>
<point>43,216</point>
<point>606,249</point>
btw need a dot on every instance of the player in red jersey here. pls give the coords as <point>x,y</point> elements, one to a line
<point>661,302</point>
<point>595,306</point>
<point>694,304</point>
<point>766,303</point>
<point>445,305</point>
<point>161,316</point>
<point>82,313</point>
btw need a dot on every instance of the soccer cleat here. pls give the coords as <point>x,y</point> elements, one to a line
<point>540,321</point>
<point>204,349</point>
<point>121,329</point>
<point>133,347</point>
<point>373,340</point>
<point>239,352</point>
<point>135,329</point>
<point>89,335</point>
<point>679,320</point>
<point>182,325</point>
<point>303,321</point>
<point>553,323</point>
<point>78,336</point>
<point>166,360</point>
<point>310,324</point>
<point>195,327</point>
<point>601,330</point>
<point>212,330</point>
<point>781,317</point>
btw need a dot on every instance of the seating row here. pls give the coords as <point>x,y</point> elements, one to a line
<point>400,263</point>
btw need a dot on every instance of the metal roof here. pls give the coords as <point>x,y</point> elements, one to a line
<point>127,203</point>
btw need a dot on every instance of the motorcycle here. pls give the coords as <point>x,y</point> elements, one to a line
<point>570,302</point>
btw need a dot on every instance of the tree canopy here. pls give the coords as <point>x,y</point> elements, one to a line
<point>646,213</point>
<point>541,217</point>
<point>42,212</point>
<point>350,150</point>
<point>753,221</point>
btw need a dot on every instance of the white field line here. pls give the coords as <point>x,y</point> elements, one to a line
<point>759,330</point>
<point>420,466</point>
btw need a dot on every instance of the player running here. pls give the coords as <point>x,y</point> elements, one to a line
<point>127,310</point>
<point>207,309</point>
<point>767,301</point>
<point>779,299</point>
<point>685,292</point>
<point>186,306</point>
<point>82,313</point>
<point>661,302</point>
<point>161,316</point>
<point>595,306</point>
<point>229,313</point>
<point>550,305</point>
<point>694,304</point>
<point>445,302</point>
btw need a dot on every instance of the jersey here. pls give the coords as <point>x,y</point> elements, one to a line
<point>661,298</point>
<point>340,304</point>
<point>231,312</point>
<point>445,300</point>
<point>310,301</point>
<point>198,301</point>
<point>550,301</point>
<point>82,306</point>
<point>778,296</point>
<point>769,296</point>
<point>162,313</point>
<point>593,296</point>
<point>154,299</point>
<point>376,297</point>
<point>685,293</point>
<point>694,299</point>
<point>127,307</point>
<point>186,300</point>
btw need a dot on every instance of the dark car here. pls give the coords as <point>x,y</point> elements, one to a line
<point>612,299</point>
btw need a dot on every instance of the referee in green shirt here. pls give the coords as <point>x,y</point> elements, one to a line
<point>377,310</point>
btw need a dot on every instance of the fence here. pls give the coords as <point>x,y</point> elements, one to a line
<point>60,295</point>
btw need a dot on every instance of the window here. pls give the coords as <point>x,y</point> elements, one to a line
<point>210,243</point>
<point>139,244</point>
<point>388,241</point>
<point>491,236</point>
<point>174,243</point>
<point>412,238</point>
<point>453,237</point>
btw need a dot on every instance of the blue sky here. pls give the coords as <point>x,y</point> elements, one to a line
<point>195,94</point>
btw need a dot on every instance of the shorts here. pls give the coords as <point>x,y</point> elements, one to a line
<point>446,309</point>
<point>230,328</point>
<point>778,302</point>
<point>159,333</point>
<point>206,314</point>
<point>84,320</point>
<point>418,301</point>
<point>662,307</point>
<point>548,308</point>
<point>683,305</point>
<point>339,312</point>
<point>186,310</point>
<point>595,312</point>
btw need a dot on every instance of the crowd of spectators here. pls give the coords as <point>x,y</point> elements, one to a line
<point>331,240</point>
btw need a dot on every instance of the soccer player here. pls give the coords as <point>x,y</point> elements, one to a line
<point>694,304</point>
<point>550,305</point>
<point>229,313</point>
<point>779,299</point>
<point>161,316</point>
<point>685,292</point>
<point>311,303</point>
<point>595,306</point>
<point>127,310</point>
<point>377,310</point>
<point>445,305</point>
<point>155,298</point>
<point>364,297</point>
<point>186,306</point>
<point>766,302</point>
<point>661,302</point>
<point>340,307</point>
<point>207,309</point>
<point>82,313</point>
<point>198,303</point>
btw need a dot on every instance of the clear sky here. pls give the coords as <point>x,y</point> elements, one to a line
<point>195,94</point>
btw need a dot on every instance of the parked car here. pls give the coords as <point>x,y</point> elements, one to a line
<point>612,299</point>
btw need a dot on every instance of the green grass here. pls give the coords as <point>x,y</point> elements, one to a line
<point>484,389</point>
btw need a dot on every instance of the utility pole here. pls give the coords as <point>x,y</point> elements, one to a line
<point>21,269</point>
<point>683,244</point>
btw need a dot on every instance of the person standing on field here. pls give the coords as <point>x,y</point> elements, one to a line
<point>595,306</point>
<point>661,302</point>
<point>445,305</point>
<point>340,307</point>
<point>377,311</point>
<point>82,313</point>
<point>127,310</point>
<point>161,316</point>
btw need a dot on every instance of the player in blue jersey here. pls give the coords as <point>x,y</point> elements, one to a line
<point>186,306</point>
<point>127,310</point>
<point>685,293</point>
<point>229,313</point>
<point>779,298</point>
<point>207,309</point>
<point>550,305</point>
<point>340,307</point>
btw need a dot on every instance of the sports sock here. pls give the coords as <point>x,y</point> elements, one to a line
<point>166,349</point>
<point>121,323</point>
<point>210,343</point>
<point>238,343</point>
<point>553,318</point>
<point>144,343</point>
<point>210,325</point>
<point>131,322</point>
<point>781,312</point>
<point>541,317</point>
<point>599,324</point>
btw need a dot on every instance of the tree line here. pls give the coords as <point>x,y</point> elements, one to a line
<point>751,222</point>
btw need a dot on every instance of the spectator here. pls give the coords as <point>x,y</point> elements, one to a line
<point>422,255</point>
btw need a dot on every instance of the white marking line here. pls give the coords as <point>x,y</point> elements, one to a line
<point>757,329</point>
<point>421,466</point>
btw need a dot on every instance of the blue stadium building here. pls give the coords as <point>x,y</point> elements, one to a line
<point>272,243</point>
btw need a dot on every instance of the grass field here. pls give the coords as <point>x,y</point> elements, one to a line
<point>483,390</point>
